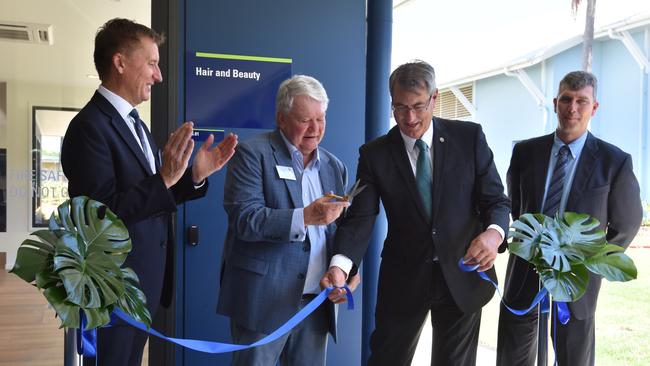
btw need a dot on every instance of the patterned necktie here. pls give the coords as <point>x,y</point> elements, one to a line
<point>556,187</point>
<point>139,131</point>
<point>423,175</point>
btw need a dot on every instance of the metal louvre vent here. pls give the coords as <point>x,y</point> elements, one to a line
<point>448,106</point>
<point>26,32</point>
<point>15,34</point>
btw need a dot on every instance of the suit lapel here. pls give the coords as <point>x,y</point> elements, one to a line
<point>326,174</point>
<point>283,158</point>
<point>398,151</point>
<point>541,156</point>
<point>439,145</point>
<point>586,164</point>
<point>125,133</point>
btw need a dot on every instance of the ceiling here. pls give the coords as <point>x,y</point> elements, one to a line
<point>69,60</point>
<point>75,22</point>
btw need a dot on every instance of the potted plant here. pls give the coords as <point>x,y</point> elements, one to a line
<point>77,262</point>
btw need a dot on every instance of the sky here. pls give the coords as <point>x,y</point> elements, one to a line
<point>463,37</point>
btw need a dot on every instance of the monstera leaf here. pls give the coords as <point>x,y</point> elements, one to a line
<point>526,234</point>
<point>77,263</point>
<point>612,264</point>
<point>563,249</point>
<point>566,286</point>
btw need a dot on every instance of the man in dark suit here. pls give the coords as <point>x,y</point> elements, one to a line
<point>110,156</point>
<point>438,213</point>
<point>597,180</point>
<point>280,231</point>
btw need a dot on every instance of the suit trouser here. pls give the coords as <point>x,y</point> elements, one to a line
<point>119,345</point>
<point>304,345</point>
<point>455,334</point>
<point>517,341</point>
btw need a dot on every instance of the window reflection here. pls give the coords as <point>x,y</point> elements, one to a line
<point>49,184</point>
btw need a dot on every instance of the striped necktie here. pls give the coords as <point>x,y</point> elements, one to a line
<point>139,131</point>
<point>556,187</point>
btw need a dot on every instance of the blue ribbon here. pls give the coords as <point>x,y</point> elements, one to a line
<point>214,347</point>
<point>86,339</point>
<point>563,313</point>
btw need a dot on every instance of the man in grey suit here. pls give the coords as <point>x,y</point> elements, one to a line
<point>599,182</point>
<point>280,230</point>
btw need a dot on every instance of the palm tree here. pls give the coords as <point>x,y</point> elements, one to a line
<point>588,36</point>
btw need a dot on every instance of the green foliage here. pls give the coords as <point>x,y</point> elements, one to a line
<point>77,263</point>
<point>564,250</point>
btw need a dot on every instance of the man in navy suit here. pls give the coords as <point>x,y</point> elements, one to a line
<point>280,231</point>
<point>444,202</point>
<point>109,155</point>
<point>599,182</point>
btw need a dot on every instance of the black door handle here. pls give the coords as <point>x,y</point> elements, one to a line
<point>193,235</point>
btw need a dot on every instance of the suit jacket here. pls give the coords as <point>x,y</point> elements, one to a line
<point>604,186</point>
<point>263,269</point>
<point>467,197</point>
<point>102,160</point>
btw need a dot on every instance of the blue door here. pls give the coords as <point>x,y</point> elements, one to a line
<point>325,39</point>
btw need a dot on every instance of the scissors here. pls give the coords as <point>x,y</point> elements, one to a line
<point>355,190</point>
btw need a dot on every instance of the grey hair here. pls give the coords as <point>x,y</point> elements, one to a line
<point>413,75</point>
<point>577,80</point>
<point>299,85</point>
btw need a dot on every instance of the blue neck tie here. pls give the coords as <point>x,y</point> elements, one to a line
<point>423,175</point>
<point>556,186</point>
<point>139,131</point>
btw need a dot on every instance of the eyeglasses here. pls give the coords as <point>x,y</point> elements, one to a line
<point>418,108</point>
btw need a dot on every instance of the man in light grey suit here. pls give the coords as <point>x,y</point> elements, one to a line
<point>280,231</point>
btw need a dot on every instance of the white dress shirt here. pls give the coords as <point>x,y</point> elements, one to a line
<point>124,108</point>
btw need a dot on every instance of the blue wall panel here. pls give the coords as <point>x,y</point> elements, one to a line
<point>619,111</point>
<point>325,39</point>
<point>507,113</point>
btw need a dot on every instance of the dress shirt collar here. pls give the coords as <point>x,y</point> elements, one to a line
<point>575,146</point>
<point>120,104</point>
<point>409,142</point>
<point>297,156</point>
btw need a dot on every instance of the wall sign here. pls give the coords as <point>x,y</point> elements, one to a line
<point>232,91</point>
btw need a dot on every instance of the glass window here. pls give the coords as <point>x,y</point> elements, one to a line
<point>49,184</point>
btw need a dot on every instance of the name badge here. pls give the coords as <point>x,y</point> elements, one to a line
<point>285,172</point>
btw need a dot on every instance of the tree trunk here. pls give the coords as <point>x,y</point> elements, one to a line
<point>588,37</point>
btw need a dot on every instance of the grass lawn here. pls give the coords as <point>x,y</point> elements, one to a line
<point>623,317</point>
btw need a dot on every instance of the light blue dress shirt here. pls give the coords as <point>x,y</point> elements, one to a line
<point>312,189</point>
<point>575,148</point>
